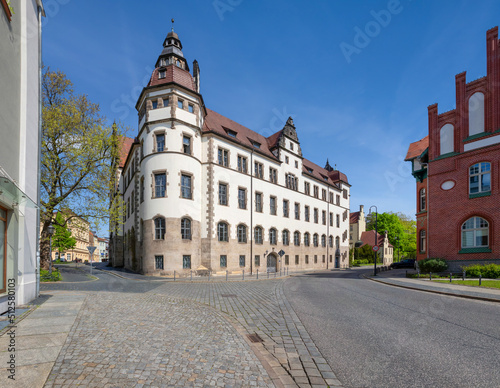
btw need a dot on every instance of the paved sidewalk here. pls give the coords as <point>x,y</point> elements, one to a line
<point>38,339</point>
<point>398,278</point>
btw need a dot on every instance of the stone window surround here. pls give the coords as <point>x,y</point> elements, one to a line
<point>153,188</point>
<point>188,257</point>
<point>246,199</point>
<point>246,233</point>
<point>261,169</point>
<point>261,202</point>
<point>181,173</point>
<point>190,137</point>
<point>228,231</point>
<point>227,192</point>
<point>296,238</point>
<point>275,236</point>
<point>275,205</point>
<point>219,148</point>
<point>307,239</point>
<point>243,170</point>
<point>190,228</point>
<point>285,241</point>
<point>297,210</point>
<point>154,229</point>
<point>156,133</point>
<point>261,241</point>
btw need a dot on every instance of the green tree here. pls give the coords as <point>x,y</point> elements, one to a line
<point>62,240</point>
<point>401,231</point>
<point>78,153</point>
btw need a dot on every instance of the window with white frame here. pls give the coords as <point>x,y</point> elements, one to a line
<point>186,229</point>
<point>423,241</point>
<point>222,231</point>
<point>422,199</point>
<point>160,142</point>
<point>272,205</point>
<point>186,187</point>
<point>475,233</point>
<point>159,228</point>
<point>223,157</point>
<point>480,178</point>
<point>222,194</point>
<point>160,184</point>
<point>242,233</point>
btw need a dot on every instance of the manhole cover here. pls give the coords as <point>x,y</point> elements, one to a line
<point>229,295</point>
<point>255,338</point>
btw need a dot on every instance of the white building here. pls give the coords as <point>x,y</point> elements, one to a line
<point>204,192</point>
<point>20,60</point>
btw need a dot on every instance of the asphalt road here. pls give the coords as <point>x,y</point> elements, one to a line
<point>374,335</point>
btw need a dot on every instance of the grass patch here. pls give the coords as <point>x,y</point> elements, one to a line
<point>46,277</point>
<point>484,283</point>
<point>61,262</point>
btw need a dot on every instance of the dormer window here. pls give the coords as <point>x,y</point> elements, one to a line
<point>231,133</point>
<point>161,74</point>
<point>256,145</point>
<point>309,170</point>
<point>162,62</point>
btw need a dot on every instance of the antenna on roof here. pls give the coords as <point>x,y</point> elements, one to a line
<point>172,24</point>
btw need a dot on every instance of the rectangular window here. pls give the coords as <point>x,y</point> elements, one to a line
<point>160,142</point>
<point>273,175</point>
<point>272,205</point>
<point>331,219</point>
<point>344,193</point>
<point>186,262</point>
<point>297,211</point>
<point>258,202</point>
<point>223,156</point>
<point>258,170</point>
<point>242,198</point>
<point>338,200</point>
<point>306,213</point>
<point>257,260</point>
<point>154,104</point>
<point>141,195</point>
<point>160,185</point>
<point>323,217</point>
<point>165,102</point>
<point>307,188</point>
<point>291,181</point>
<point>186,145</point>
<point>296,259</point>
<point>242,260</point>
<point>191,108</point>
<point>331,198</point>
<point>287,260</point>
<point>161,74</point>
<point>159,262</point>
<point>338,221</point>
<point>323,194</point>
<point>180,104</point>
<point>307,259</point>
<point>223,261</point>
<point>315,215</point>
<point>186,188</point>
<point>222,194</point>
<point>285,208</point>
<point>324,259</point>
<point>315,259</point>
<point>242,164</point>
<point>316,190</point>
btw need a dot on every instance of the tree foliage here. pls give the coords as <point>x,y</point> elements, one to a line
<point>78,150</point>
<point>401,231</point>
<point>62,240</point>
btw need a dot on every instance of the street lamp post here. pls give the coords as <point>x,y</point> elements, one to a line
<point>50,231</point>
<point>376,239</point>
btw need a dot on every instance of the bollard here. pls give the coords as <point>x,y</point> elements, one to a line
<point>463,276</point>
<point>191,275</point>
<point>479,279</point>
<point>430,275</point>
<point>418,273</point>
<point>257,274</point>
<point>243,273</point>
<point>174,276</point>
<point>280,272</point>
<point>226,275</point>
<point>268,273</point>
<point>450,277</point>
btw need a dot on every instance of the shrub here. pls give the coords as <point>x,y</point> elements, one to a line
<point>46,277</point>
<point>490,271</point>
<point>432,264</point>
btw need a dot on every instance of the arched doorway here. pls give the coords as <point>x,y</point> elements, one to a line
<point>272,262</point>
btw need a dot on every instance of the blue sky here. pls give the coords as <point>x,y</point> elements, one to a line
<point>358,99</point>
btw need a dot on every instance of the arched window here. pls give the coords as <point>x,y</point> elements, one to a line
<point>476,114</point>
<point>286,237</point>
<point>258,235</point>
<point>186,228</point>
<point>272,236</point>
<point>480,178</point>
<point>446,139</point>
<point>422,199</point>
<point>296,238</point>
<point>337,242</point>
<point>306,239</point>
<point>323,241</point>
<point>159,228</point>
<point>315,239</point>
<point>475,233</point>
<point>242,233</point>
<point>222,231</point>
<point>330,241</point>
<point>423,241</point>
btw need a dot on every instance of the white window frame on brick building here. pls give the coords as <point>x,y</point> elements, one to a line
<point>480,178</point>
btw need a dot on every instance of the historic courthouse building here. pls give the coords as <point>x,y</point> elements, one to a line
<point>457,168</point>
<point>204,192</point>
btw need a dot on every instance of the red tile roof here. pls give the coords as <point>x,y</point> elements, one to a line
<point>173,74</point>
<point>319,172</point>
<point>272,140</point>
<point>368,237</point>
<point>417,148</point>
<point>124,150</point>
<point>354,218</point>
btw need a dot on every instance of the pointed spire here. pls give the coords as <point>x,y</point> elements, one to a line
<point>172,24</point>
<point>328,167</point>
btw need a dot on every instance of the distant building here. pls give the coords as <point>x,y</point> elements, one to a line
<point>357,225</point>
<point>20,63</point>
<point>102,249</point>
<point>80,230</point>
<point>457,172</point>
<point>204,192</point>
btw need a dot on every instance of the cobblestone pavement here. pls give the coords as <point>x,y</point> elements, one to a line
<point>261,308</point>
<point>135,340</point>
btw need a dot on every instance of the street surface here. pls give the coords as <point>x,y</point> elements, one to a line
<point>374,335</point>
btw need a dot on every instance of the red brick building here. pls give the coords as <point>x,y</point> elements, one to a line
<point>457,168</point>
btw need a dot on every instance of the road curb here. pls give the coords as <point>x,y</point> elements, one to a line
<point>434,291</point>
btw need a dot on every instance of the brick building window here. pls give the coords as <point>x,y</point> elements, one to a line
<point>159,262</point>
<point>186,229</point>
<point>186,262</point>
<point>222,231</point>
<point>258,235</point>
<point>242,233</point>
<point>422,199</point>
<point>475,233</point>
<point>422,241</point>
<point>159,228</point>
<point>480,178</point>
